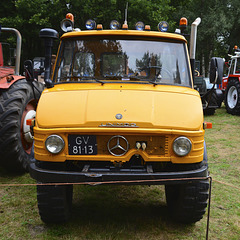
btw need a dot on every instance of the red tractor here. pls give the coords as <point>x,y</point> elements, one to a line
<point>231,84</point>
<point>18,100</point>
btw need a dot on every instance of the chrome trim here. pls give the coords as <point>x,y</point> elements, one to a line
<point>116,139</point>
<point>122,125</point>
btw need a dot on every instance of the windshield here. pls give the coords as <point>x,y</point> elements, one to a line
<point>110,60</point>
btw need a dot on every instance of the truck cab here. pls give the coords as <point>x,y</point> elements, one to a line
<point>121,108</point>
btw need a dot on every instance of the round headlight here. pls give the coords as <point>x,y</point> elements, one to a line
<point>139,26</point>
<point>54,144</point>
<point>182,146</point>
<point>163,26</point>
<point>90,24</point>
<point>114,25</point>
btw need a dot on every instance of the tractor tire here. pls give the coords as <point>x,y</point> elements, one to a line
<point>17,104</point>
<point>54,202</point>
<point>213,102</point>
<point>232,97</point>
<point>187,202</point>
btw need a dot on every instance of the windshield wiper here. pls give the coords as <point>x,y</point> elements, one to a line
<point>99,81</point>
<point>82,78</point>
<point>153,82</point>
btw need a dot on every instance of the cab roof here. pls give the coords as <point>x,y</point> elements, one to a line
<point>130,33</point>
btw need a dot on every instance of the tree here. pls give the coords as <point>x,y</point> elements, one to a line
<point>219,28</point>
<point>30,16</point>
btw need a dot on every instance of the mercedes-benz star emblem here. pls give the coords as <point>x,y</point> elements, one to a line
<point>118,116</point>
<point>117,145</point>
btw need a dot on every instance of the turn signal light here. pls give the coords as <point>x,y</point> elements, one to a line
<point>30,122</point>
<point>207,125</point>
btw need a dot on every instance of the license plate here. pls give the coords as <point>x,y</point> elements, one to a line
<point>82,145</point>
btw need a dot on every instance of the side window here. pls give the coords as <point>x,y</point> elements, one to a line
<point>237,70</point>
<point>65,64</point>
<point>231,71</point>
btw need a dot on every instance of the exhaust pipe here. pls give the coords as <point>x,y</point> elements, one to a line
<point>18,47</point>
<point>193,40</point>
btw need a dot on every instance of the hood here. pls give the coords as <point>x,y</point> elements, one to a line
<point>156,107</point>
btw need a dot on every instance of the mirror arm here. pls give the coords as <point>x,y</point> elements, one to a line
<point>216,77</point>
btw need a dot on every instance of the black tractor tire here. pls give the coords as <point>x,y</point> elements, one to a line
<point>220,97</point>
<point>54,202</point>
<point>187,202</point>
<point>15,103</point>
<point>213,103</point>
<point>232,97</point>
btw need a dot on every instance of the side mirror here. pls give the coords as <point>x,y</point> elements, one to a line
<point>48,35</point>
<point>28,69</point>
<point>216,70</point>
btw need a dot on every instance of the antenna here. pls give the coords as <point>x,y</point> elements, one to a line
<point>126,9</point>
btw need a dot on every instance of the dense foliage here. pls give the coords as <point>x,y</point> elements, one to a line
<point>218,32</point>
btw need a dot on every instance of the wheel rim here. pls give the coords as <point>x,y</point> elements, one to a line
<point>26,131</point>
<point>232,97</point>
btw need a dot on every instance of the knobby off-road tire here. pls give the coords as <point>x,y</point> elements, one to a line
<point>54,202</point>
<point>15,103</point>
<point>213,102</point>
<point>187,202</point>
<point>232,97</point>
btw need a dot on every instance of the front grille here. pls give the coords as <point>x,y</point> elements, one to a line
<point>156,145</point>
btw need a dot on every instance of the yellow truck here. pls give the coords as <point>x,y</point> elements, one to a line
<point>120,108</point>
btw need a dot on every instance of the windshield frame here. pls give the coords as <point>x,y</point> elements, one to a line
<point>122,80</point>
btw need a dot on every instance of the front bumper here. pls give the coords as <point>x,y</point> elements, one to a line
<point>99,176</point>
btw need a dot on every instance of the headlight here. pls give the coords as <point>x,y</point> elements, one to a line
<point>54,144</point>
<point>182,146</point>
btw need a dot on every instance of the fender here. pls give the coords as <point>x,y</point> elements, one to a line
<point>7,81</point>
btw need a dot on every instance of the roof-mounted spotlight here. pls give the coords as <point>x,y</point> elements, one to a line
<point>90,24</point>
<point>162,26</point>
<point>114,25</point>
<point>139,26</point>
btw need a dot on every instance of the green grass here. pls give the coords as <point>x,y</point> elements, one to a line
<point>134,212</point>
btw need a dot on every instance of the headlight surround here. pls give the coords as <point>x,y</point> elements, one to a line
<point>54,144</point>
<point>182,146</point>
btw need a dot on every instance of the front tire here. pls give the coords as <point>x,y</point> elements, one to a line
<point>17,103</point>
<point>232,97</point>
<point>54,202</point>
<point>187,202</point>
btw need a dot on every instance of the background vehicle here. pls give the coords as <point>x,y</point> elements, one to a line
<point>18,101</point>
<point>211,96</point>
<point>120,108</point>
<point>231,85</point>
